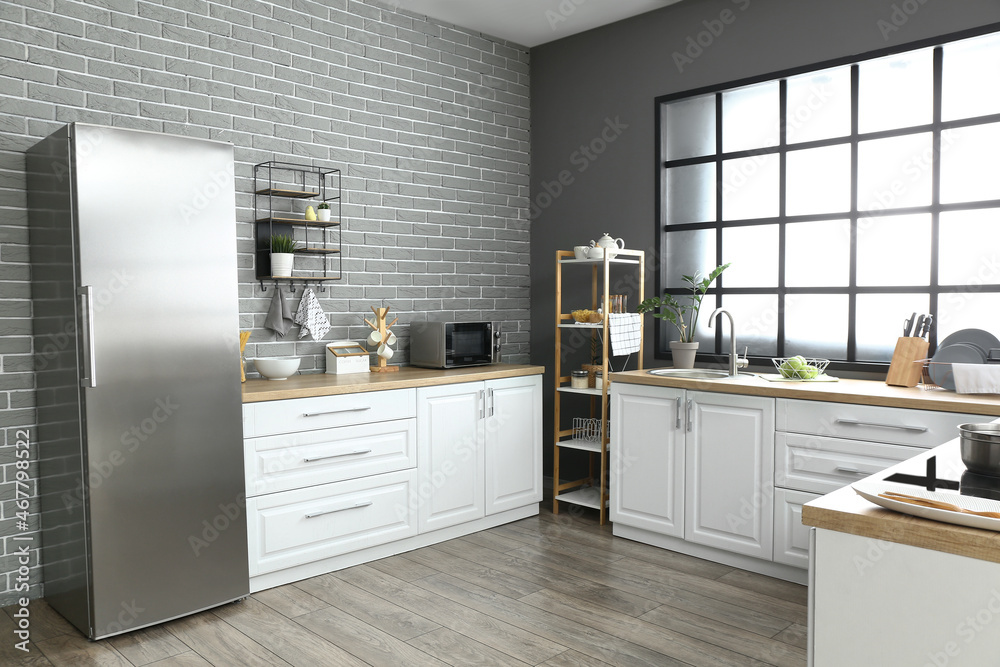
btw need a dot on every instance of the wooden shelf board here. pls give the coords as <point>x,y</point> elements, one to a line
<point>291,194</point>
<point>584,445</point>
<point>582,325</point>
<point>616,260</point>
<point>315,251</point>
<point>588,497</point>
<point>300,221</point>
<point>298,278</point>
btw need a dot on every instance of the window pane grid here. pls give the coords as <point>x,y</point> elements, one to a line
<point>878,193</point>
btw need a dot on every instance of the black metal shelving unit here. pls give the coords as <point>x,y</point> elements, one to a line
<point>276,186</point>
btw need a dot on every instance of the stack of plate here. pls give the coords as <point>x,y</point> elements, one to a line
<point>968,346</point>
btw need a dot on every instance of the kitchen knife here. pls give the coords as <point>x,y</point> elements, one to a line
<point>918,325</point>
<point>908,325</point>
<point>926,328</point>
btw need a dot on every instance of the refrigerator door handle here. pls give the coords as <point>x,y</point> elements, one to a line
<point>90,380</point>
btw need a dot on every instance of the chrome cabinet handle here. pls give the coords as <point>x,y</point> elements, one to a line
<point>489,397</point>
<point>677,423</point>
<point>336,456</point>
<point>87,292</point>
<point>855,422</point>
<point>689,406</point>
<point>849,469</point>
<point>355,506</point>
<point>482,404</point>
<point>334,412</point>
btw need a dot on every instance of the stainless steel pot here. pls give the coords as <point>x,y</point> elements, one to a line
<point>980,447</point>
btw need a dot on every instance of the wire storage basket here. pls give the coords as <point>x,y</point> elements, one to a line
<point>585,428</point>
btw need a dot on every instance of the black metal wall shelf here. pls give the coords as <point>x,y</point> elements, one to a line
<point>276,184</point>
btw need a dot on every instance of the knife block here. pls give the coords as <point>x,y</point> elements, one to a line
<point>907,362</point>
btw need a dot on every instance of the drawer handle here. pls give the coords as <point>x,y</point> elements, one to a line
<point>849,469</point>
<point>677,423</point>
<point>365,503</point>
<point>854,422</point>
<point>335,456</point>
<point>689,420</point>
<point>333,412</point>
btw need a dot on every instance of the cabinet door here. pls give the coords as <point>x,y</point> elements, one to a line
<point>647,458</point>
<point>513,443</point>
<point>791,537</point>
<point>730,473</point>
<point>450,455</point>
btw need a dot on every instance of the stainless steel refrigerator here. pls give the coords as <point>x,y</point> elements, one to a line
<point>136,331</point>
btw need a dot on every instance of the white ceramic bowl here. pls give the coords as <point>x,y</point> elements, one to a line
<point>277,368</point>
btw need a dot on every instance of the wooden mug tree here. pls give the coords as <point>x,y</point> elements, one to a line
<point>383,329</point>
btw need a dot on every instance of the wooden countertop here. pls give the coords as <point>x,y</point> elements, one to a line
<point>846,512</point>
<point>322,384</point>
<point>863,392</point>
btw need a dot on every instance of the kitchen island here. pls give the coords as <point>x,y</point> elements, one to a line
<point>892,589</point>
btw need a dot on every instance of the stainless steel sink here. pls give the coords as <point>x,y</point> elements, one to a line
<point>690,373</point>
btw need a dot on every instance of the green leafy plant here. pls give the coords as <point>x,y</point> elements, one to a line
<point>284,243</point>
<point>684,316</point>
<point>323,206</point>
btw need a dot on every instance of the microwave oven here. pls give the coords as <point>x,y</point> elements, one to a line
<point>454,344</point>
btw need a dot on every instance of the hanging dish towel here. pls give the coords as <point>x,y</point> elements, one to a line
<point>624,330</point>
<point>279,314</point>
<point>976,378</point>
<point>311,317</point>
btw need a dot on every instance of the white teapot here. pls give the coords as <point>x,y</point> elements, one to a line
<point>607,245</point>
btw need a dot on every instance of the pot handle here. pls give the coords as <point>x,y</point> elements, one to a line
<point>622,246</point>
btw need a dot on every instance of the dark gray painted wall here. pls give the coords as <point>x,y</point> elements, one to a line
<point>615,72</point>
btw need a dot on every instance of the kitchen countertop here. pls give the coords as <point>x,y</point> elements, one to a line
<point>322,384</point>
<point>863,392</point>
<point>846,512</point>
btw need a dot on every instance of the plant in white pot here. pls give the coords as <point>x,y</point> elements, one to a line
<point>283,249</point>
<point>684,316</point>
<point>323,212</point>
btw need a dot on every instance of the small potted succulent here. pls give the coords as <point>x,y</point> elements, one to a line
<point>684,316</point>
<point>283,249</point>
<point>323,212</point>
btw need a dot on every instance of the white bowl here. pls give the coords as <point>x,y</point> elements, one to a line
<point>277,368</point>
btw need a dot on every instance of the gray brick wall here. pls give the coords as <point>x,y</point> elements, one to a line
<point>429,123</point>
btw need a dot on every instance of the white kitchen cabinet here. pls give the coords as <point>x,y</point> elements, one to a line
<point>648,465</point>
<point>335,481</point>
<point>729,472</point>
<point>513,443</point>
<point>451,451</point>
<point>791,536</point>
<point>693,465</point>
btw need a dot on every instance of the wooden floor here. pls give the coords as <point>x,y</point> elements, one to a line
<point>548,590</point>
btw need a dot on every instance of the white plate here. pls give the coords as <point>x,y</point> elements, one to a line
<point>984,340</point>
<point>956,353</point>
<point>870,491</point>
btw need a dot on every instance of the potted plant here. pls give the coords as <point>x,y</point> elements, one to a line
<point>283,248</point>
<point>323,212</point>
<point>684,316</point>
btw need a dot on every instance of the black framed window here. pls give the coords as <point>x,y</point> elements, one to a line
<point>846,196</point>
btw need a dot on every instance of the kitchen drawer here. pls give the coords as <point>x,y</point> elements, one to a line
<point>791,537</point>
<point>295,527</point>
<point>819,464</point>
<point>311,414</point>
<point>903,426</point>
<point>297,460</point>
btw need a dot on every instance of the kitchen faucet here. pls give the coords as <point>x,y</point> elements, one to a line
<point>735,362</point>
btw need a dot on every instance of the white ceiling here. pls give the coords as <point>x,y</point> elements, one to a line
<point>530,22</point>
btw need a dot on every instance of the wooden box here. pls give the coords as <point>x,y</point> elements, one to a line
<point>346,356</point>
